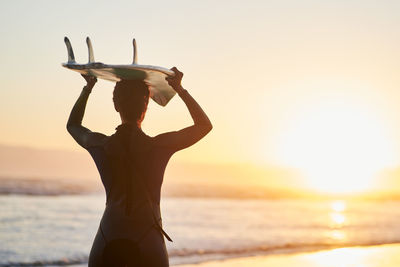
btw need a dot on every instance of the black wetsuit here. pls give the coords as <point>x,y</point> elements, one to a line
<point>131,165</point>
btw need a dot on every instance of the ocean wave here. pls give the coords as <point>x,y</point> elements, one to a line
<point>45,187</point>
<point>203,229</point>
<point>279,249</point>
<point>198,256</point>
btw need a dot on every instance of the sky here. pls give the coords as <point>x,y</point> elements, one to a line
<point>312,85</point>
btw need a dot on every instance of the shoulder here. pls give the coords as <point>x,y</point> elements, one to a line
<point>97,139</point>
<point>163,139</point>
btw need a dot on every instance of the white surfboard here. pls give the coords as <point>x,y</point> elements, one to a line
<point>160,91</point>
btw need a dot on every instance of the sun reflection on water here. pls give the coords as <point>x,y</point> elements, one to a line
<point>337,220</point>
<point>337,235</point>
<point>338,206</point>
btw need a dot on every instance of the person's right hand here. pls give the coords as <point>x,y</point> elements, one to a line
<point>175,81</point>
<point>90,80</point>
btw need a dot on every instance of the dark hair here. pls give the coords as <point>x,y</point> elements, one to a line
<point>131,98</point>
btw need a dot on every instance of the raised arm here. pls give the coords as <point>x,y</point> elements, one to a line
<point>82,135</point>
<point>188,136</point>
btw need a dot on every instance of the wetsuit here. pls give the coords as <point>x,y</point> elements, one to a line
<point>131,165</point>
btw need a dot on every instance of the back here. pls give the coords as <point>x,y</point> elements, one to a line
<point>128,161</point>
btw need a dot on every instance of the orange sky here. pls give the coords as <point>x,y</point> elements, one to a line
<point>310,85</point>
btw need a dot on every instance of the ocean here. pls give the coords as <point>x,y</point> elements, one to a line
<point>55,230</point>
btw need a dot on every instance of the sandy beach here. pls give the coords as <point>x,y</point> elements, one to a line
<point>374,256</point>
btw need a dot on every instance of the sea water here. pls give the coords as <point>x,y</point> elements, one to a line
<point>37,230</point>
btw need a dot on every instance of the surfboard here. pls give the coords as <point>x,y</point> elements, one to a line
<point>160,91</point>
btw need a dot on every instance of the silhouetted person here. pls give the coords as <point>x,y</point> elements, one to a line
<point>131,165</point>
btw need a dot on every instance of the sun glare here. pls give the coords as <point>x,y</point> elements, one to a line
<point>340,257</point>
<point>339,147</point>
<point>338,206</point>
<point>337,220</point>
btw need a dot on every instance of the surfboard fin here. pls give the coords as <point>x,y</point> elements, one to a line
<point>71,57</point>
<point>90,50</point>
<point>134,52</point>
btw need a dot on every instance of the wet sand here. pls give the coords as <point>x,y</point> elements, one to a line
<point>373,256</point>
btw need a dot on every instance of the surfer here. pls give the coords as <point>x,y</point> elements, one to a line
<point>131,166</point>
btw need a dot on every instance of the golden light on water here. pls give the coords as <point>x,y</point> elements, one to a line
<point>337,220</point>
<point>337,235</point>
<point>338,206</point>
<point>340,257</point>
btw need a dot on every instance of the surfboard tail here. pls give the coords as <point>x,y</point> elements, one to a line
<point>71,57</point>
<point>90,50</point>
<point>134,52</point>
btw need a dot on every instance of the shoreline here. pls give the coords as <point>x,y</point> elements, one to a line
<point>385,255</point>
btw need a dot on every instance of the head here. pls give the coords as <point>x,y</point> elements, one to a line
<point>131,98</point>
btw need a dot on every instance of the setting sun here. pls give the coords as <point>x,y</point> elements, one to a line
<point>338,144</point>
